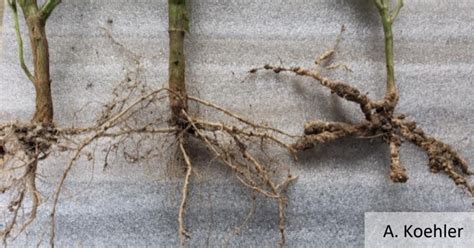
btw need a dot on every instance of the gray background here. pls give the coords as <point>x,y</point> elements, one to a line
<point>135,205</point>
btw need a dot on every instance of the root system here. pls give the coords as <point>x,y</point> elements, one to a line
<point>135,112</point>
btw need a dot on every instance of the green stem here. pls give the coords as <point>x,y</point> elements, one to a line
<point>36,23</point>
<point>388,17</point>
<point>387,29</point>
<point>19,39</point>
<point>178,25</point>
<point>48,8</point>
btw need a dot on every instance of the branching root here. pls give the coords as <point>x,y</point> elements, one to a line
<point>380,121</point>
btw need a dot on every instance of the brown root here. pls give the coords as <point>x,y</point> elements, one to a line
<point>398,172</point>
<point>252,173</point>
<point>183,234</point>
<point>233,144</point>
<point>441,157</point>
<point>22,146</point>
<point>380,121</point>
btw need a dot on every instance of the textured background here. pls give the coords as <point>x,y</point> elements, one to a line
<point>136,205</point>
<point>1,22</point>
